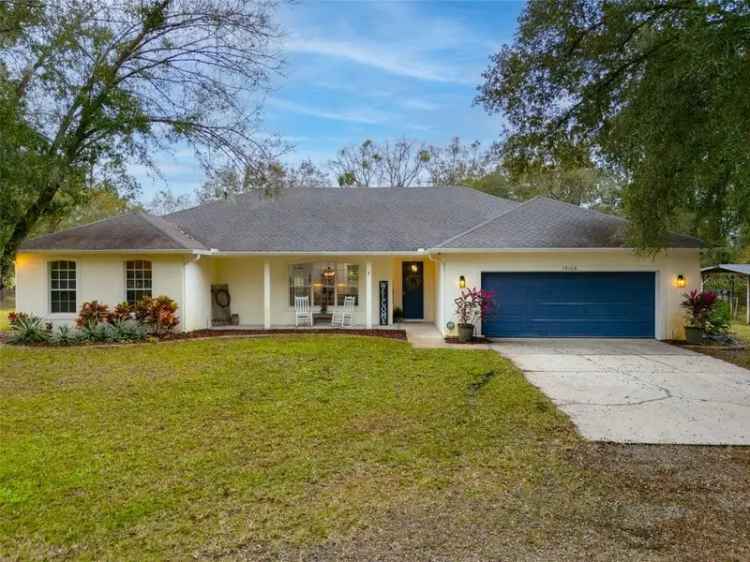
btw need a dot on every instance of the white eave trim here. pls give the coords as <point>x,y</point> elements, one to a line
<point>75,252</point>
<point>438,251</point>
<point>309,253</point>
<point>419,252</point>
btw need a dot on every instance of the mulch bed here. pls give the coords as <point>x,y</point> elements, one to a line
<point>474,340</point>
<point>706,346</point>
<point>392,334</point>
<point>202,334</point>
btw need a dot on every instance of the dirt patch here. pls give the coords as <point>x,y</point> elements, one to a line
<point>474,340</point>
<point>638,502</point>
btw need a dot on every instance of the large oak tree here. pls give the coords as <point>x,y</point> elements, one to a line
<point>88,87</point>
<point>655,90</point>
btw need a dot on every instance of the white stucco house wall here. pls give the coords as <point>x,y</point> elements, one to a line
<point>557,270</point>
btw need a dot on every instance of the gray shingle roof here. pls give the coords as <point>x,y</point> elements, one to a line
<point>741,268</point>
<point>355,220</point>
<point>339,220</point>
<point>547,223</point>
<point>135,231</point>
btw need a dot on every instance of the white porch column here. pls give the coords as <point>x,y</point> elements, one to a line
<point>441,297</point>
<point>368,294</point>
<point>267,294</point>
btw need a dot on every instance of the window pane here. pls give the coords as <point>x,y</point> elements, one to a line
<point>348,283</point>
<point>62,286</point>
<point>299,281</point>
<point>137,280</point>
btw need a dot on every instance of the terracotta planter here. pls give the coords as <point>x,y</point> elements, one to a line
<point>694,335</point>
<point>465,332</point>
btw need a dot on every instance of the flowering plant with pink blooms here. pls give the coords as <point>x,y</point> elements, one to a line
<point>473,304</point>
<point>699,305</point>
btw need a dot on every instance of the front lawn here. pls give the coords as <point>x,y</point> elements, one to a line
<point>328,448</point>
<point>740,357</point>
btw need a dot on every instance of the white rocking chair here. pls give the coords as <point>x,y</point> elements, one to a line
<point>302,311</point>
<point>347,312</point>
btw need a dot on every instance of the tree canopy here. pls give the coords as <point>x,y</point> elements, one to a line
<point>87,87</point>
<point>654,91</point>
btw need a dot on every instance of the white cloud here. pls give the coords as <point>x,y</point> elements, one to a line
<point>420,105</point>
<point>366,116</point>
<point>391,61</point>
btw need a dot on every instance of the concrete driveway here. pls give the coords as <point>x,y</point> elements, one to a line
<point>639,391</point>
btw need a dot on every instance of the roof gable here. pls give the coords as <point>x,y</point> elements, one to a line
<point>134,231</point>
<point>546,223</point>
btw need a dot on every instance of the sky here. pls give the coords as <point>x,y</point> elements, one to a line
<point>378,70</point>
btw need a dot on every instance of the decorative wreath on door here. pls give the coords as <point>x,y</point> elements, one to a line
<point>222,298</point>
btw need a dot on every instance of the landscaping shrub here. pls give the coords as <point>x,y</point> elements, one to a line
<point>27,329</point>
<point>94,332</point>
<point>93,312</point>
<point>129,330</point>
<point>699,306</point>
<point>158,314</point>
<point>719,319</point>
<point>122,311</point>
<point>97,324</point>
<point>64,335</point>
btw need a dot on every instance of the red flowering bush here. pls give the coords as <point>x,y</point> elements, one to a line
<point>122,311</point>
<point>473,304</point>
<point>159,314</point>
<point>699,306</point>
<point>93,313</point>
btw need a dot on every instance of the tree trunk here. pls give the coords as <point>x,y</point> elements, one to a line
<point>22,229</point>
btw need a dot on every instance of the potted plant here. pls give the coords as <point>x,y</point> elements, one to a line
<point>472,305</point>
<point>398,315</point>
<point>698,306</point>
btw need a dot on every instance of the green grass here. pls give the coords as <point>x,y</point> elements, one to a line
<point>294,447</point>
<point>742,331</point>
<point>166,448</point>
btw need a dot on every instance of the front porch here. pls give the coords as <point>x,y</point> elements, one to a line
<point>254,293</point>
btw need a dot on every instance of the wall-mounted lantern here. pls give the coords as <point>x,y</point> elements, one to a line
<point>462,282</point>
<point>680,281</point>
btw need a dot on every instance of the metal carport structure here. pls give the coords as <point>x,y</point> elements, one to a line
<point>741,269</point>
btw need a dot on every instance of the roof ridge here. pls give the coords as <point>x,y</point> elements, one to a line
<point>619,218</point>
<point>234,197</point>
<point>154,221</point>
<point>484,222</point>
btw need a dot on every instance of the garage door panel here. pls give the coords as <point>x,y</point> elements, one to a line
<point>613,304</point>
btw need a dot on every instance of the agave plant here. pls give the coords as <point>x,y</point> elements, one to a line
<point>129,330</point>
<point>64,335</point>
<point>27,329</point>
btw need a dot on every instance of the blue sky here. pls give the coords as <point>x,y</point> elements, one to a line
<point>379,70</point>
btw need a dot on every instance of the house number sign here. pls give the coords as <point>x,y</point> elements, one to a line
<point>570,268</point>
<point>383,308</point>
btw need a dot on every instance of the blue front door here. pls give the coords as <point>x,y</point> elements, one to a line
<point>412,296</point>
<point>612,304</point>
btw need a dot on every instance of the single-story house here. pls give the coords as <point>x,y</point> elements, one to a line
<point>557,269</point>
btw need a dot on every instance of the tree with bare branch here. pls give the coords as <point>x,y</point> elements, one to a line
<point>404,162</point>
<point>89,87</point>
<point>358,166</point>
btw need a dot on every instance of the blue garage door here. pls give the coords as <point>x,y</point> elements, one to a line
<point>540,305</point>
